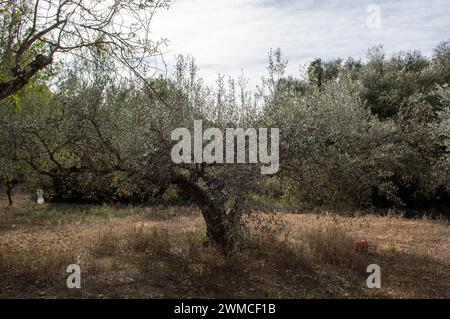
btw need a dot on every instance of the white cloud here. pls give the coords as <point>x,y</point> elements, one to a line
<point>226,36</point>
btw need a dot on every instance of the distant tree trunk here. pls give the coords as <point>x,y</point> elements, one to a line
<point>215,217</point>
<point>9,189</point>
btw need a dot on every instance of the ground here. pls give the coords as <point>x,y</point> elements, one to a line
<point>162,252</point>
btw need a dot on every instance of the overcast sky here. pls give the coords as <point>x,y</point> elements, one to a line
<point>227,36</point>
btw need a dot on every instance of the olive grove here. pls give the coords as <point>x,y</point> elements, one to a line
<point>353,134</point>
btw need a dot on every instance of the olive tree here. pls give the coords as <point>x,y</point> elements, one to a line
<point>220,190</point>
<point>95,128</point>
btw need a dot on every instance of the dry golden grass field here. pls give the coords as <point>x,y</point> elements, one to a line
<point>151,252</point>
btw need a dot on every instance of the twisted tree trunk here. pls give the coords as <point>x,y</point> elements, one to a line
<point>215,217</point>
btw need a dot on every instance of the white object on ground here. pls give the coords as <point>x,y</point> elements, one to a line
<point>40,196</point>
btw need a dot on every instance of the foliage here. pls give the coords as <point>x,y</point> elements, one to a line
<point>353,134</point>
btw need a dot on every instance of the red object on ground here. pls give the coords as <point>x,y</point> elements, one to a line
<point>361,245</point>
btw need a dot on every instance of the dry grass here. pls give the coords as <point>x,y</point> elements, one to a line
<point>142,239</point>
<point>157,252</point>
<point>332,245</point>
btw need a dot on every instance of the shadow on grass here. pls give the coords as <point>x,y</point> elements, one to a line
<point>64,213</point>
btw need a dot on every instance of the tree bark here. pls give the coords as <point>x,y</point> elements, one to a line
<point>22,77</point>
<point>215,217</point>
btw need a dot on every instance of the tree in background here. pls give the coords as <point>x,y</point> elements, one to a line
<point>33,33</point>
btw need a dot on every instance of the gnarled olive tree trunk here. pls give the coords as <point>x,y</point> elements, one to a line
<point>215,216</point>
